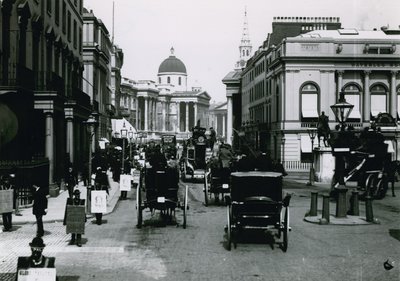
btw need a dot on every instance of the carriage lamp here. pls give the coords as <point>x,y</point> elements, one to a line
<point>342,110</point>
<point>312,132</point>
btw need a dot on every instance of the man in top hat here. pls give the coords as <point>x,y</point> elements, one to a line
<point>7,217</point>
<point>75,201</point>
<point>36,259</point>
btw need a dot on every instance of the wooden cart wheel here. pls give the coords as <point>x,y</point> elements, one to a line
<point>139,207</point>
<point>286,230</point>
<point>381,188</point>
<point>229,230</point>
<point>206,183</point>
<point>185,206</point>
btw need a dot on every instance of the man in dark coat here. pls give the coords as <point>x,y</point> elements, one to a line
<point>7,217</point>
<point>39,208</point>
<point>71,180</point>
<point>76,201</point>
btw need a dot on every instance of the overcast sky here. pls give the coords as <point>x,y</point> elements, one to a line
<point>206,33</point>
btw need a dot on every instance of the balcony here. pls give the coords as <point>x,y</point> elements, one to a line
<point>46,81</point>
<point>81,98</point>
<point>17,76</point>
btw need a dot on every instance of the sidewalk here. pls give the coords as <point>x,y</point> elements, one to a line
<point>56,205</point>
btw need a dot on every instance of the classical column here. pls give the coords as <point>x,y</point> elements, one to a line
<point>155,115</point>
<point>187,118</point>
<point>146,112</point>
<point>50,144</point>
<point>137,113</point>
<point>163,117</point>
<point>339,81</point>
<point>367,97</point>
<point>178,116</point>
<point>195,112</point>
<point>70,138</point>
<point>223,126</point>
<point>229,130</point>
<point>216,123</point>
<point>393,95</point>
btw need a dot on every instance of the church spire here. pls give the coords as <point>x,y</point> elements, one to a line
<point>245,46</point>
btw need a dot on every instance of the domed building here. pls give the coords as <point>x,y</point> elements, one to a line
<point>172,71</point>
<point>166,107</point>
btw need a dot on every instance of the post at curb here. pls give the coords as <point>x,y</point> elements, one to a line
<point>369,215</point>
<point>341,204</point>
<point>314,203</point>
<point>354,204</point>
<point>325,209</point>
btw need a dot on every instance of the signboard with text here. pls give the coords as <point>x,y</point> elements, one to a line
<point>98,201</point>
<point>6,201</point>
<point>135,176</point>
<point>125,182</point>
<point>75,220</point>
<point>36,274</point>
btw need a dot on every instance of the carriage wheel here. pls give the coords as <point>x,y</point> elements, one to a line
<point>185,206</point>
<point>369,185</point>
<point>380,189</point>
<point>206,190</point>
<point>139,207</point>
<point>286,230</point>
<point>229,229</point>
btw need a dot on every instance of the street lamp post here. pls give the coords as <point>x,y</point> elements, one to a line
<point>130,135</point>
<point>91,124</point>
<point>342,110</point>
<point>312,132</point>
<point>124,133</point>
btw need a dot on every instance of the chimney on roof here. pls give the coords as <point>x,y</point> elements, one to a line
<point>384,28</point>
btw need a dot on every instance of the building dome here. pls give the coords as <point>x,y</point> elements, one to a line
<point>172,64</point>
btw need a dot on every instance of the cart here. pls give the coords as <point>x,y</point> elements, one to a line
<point>216,182</point>
<point>256,203</point>
<point>159,191</point>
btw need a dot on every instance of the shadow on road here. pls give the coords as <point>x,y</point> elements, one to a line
<point>395,233</point>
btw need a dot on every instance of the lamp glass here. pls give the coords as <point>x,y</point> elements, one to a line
<point>342,109</point>
<point>124,133</point>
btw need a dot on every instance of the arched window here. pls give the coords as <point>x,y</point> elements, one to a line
<point>309,102</point>
<point>159,80</point>
<point>168,79</point>
<point>352,94</point>
<point>180,80</point>
<point>247,52</point>
<point>244,53</point>
<point>379,95</point>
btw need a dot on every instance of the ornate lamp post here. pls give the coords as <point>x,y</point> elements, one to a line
<point>91,126</point>
<point>130,135</point>
<point>342,110</point>
<point>312,132</point>
<point>124,134</point>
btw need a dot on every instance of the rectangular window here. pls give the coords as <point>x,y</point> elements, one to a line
<point>75,33</point>
<point>69,26</point>
<point>57,12</point>
<point>309,106</point>
<point>64,19</point>
<point>378,104</point>
<point>49,6</point>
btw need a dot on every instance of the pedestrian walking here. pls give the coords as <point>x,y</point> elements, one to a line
<point>76,201</point>
<point>7,216</point>
<point>101,183</point>
<point>71,180</point>
<point>39,208</point>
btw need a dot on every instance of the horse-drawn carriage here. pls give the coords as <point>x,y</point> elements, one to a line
<point>256,202</point>
<point>158,190</point>
<point>193,161</point>
<point>216,182</point>
<point>168,146</point>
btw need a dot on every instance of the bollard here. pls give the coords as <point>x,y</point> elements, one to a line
<point>341,203</point>
<point>368,209</point>
<point>314,203</point>
<point>325,208</point>
<point>354,204</point>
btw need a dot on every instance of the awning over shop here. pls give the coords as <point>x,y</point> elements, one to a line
<point>306,143</point>
<point>118,124</point>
